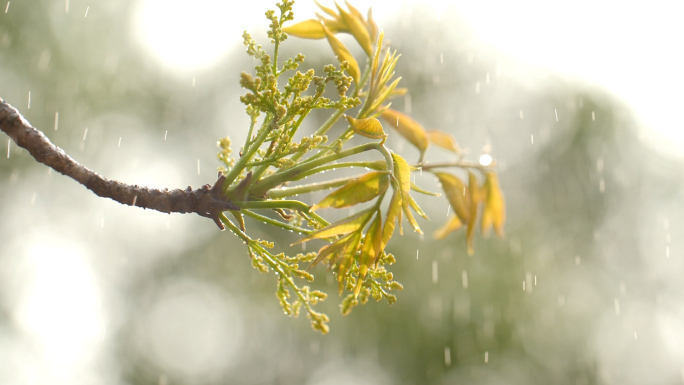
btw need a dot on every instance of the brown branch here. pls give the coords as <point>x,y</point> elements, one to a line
<point>207,201</point>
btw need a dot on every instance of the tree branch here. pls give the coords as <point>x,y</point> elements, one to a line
<point>207,201</point>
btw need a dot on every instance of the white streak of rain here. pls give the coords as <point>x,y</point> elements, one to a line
<point>7,7</point>
<point>447,356</point>
<point>85,134</point>
<point>135,199</point>
<point>198,167</point>
<point>522,116</point>
<point>593,116</point>
<point>56,121</point>
<point>531,139</point>
<point>464,279</point>
<point>29,100</point>
<point>86,12</point>
<point>165,134</point>
<point>8,148</point>
<point>617,306</point>
<point>66,6</point>
<point>486,357</point>
<point>119,145</point>
<point>556,112</point>
<point>435,270</point>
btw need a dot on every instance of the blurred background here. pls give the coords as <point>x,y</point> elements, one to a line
<point>577,102</point>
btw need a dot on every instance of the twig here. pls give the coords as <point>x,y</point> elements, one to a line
<point>207,201</point>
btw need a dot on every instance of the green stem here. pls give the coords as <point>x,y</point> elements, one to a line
<point>246,156</point>
<point>274,222</point>
<point>264,185</point>
<point>282,204</point>
<point>307,188</point>
<point>451,164</point>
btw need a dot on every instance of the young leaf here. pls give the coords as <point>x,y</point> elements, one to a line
<point>344,226</point>
<point>393,215</point>
<point>417,189</point>
<point>444,140</point>
<point>408,128</point>
<point>346,258</point>
<point>402,172</point>
<point>343,54</point>
<point>415,207</point>
<point>371,248</point>
<point>332,250</point>
<point>453,225</point>
<point>457,195</point>
<point>307,29</point>
<point>475,199</point>
<point>370,127</point>
<point>494,212</point>
<point>357,28</point>
<point>362,189</point>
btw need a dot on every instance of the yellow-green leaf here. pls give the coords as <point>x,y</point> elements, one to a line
<point>408,128</point>
<point>332,250</point>
<point>343,54</point>
<point>494,213</point>
<point>453,225</point>
<point>344,226</point>
<point>372,26</point>
<point>371,248</point>
<point>456,193</point>
<point>357,27</point>
<point>344,262</point>
<point>405,202</point>
<point>369,127</point>
<point>307,29</point>
<point>361,189</point>
<point>393,215</point>
<point>402,172</point>
<point>327,10</point>
<point>475,199</point>
<point>415,207</point>
<point>444,140</point>
<point>415,188</point>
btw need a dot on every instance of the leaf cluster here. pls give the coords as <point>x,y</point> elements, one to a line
<point>270,174</point>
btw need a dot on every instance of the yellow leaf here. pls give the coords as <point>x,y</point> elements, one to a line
<point>408,128</point>
<point>371,249</point>
<point>393,215</point>
<point>444,140</point>
<point>369,127</point>
<point>494,212</point>
<point>308,29</point>
<point>347,225</point>
<point>453,225</point>
<point>415,188</point>
<point>456,193</point>
<point>333,250</point>
<point>335,26</point>
<point>405,207</point>
<point>475,199</point>
<point>327,10</point>
<point>346,258</point>
<point>343,54</point>
<point>415,207</point>
<point>361,189</point>
<point>402,172</point>
<point>357,27</point>
<point>372,26</point>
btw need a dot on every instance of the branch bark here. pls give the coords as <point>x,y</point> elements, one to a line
<point>207,201</point>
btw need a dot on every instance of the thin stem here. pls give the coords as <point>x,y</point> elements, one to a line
<point>274,222</point>
<point>282,204</point>
<point>451,164</point>
<point>307,188</point>
<point>249,152</point>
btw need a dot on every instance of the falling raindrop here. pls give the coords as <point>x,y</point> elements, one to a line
<point>447,356</point>
<point>556,112</point>
<point>602,186</point>
<point>8,148</point>
<point>464,279</point>
<point>617,306</point>
<point>135,199</point>
<point>7,7</point>
<point>66,6</point>
<point>635,335</point>
<point>599,165</point>
<point>86,12</point>
<point>194,81</point>
<point>531,139</point>
<point>593,116</point>
<point>56,121</point>
<point>85,133</point>
<point>578,260</point>
<point>486,357</point>
<point>29,100</point>
<point>521,114</point>
<point>441,54</point>
<point>417,254</point>
<point>198,166</point>
<point>435,268</point>
<point>165,133</point>
<point>448,209</point>
<point>119,145</point>
<point>667,251</point>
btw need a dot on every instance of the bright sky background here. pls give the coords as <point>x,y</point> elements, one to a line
<point>631,49</point>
